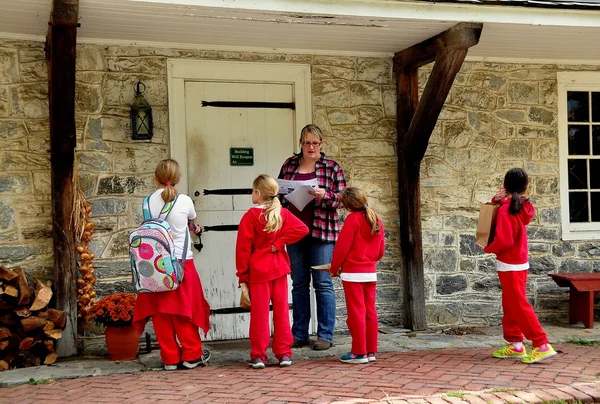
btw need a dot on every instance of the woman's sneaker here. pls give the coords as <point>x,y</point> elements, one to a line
<point>371,356</point>
<point>203,360</point>
<point>256,363</point>
<point>352,358</point>
<point>170,367</point>
<point>510,351</point>
<point>537,355</point>
<point>285,361</point>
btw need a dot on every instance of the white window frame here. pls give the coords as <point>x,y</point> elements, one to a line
<point>566,81</point>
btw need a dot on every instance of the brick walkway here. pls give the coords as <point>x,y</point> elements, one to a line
<point>469,376</point>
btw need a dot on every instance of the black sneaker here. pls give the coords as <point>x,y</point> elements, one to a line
<point>285,361</point>
<point>299,343</point>
<point>203,360</point>
<point>256,363</point>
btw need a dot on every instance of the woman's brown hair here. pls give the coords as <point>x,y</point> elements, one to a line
<point>355,200</point>
<point>167,175</point>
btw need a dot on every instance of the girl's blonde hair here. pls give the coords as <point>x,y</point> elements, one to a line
<point>355,200</point>
<point>167,174</point>
<point>269,189</point>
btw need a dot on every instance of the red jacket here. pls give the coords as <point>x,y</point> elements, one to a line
<point>254,260</point>
<point>357,250</point>
<point>510,237</point>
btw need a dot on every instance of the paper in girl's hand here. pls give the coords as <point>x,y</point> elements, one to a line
<point>324,267</point>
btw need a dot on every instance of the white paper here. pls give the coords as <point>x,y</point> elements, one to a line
<point>300,196</point>
<point>289,186</point>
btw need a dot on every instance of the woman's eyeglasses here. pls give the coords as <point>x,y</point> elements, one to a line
<point>313,144</point>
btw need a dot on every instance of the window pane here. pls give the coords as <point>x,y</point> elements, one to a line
<point>594,174</point>
<point>579,140</point>
<point>595,206</point>
<point>577,174</point>
<point>596,140</point>
<point>596,107</point>
<point>578,207</point>
<point>578,107</point>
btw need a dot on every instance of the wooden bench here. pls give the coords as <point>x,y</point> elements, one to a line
<point>583,289</point>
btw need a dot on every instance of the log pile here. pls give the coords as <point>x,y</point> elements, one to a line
<point>28,328</point>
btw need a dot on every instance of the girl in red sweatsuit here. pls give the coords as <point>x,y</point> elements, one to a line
<point>263,263</point>
<point>510,246</point>
<point>359,246</point>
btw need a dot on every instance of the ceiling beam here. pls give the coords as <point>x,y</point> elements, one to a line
<point>460,36</point>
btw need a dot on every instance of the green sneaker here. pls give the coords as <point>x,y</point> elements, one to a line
<point>510,351</point>
<point>536,355</point>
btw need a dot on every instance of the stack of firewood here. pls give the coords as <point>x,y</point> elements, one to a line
<point>28,328</point>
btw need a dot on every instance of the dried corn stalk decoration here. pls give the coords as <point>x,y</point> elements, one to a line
<point>84,229</point>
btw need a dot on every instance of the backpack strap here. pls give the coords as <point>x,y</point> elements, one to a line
<point>185,245</point>
<point>146,208</point>
<point>166,209</point>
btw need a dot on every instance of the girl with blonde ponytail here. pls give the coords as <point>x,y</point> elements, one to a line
<point>355,255</point>
<point>262,265</point>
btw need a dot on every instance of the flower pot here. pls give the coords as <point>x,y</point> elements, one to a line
<point>122,342</point>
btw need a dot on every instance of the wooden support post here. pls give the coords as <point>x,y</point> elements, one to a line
<point>416,121</point>
<point>60,54</point>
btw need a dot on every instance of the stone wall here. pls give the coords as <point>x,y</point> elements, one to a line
<point>353,102</point>
<point>497,116</point>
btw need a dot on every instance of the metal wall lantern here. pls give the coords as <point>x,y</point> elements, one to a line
<point>141,115</point>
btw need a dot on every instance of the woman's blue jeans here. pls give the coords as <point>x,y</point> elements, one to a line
<point>304,254</point>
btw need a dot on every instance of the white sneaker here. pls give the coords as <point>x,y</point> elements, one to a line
<point>170,367</point>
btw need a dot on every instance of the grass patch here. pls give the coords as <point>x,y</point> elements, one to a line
<point>502,390</point>
<point>582,342</point>
<point>41,381</point>
<point>459,394</point>
<point>563,402</point>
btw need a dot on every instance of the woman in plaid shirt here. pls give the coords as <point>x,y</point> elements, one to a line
<point>316,248</point>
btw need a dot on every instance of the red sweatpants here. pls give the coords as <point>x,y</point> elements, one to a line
<point>519,318</point>
<point>362,316</point>
<point>168,327</point>
<point>261,294</point>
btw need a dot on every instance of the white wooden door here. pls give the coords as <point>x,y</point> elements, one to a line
<point>210,133</point>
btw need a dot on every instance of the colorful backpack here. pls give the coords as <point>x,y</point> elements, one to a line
<point>154,265</point>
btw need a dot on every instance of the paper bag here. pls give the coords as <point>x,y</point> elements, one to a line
<point>486,224</point>
<point>245,299</point>
<point>323,267</point>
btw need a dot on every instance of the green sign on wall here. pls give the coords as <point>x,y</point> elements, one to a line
<point>241,156</point>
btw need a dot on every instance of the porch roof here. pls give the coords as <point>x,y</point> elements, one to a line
<point>343,26</point>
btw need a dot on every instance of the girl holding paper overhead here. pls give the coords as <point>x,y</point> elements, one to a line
<point>263,265</point>
<point>321,218</point>
<point>359,247</point>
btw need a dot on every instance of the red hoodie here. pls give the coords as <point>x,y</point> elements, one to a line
<point>356,250</point>
<point>510,237</point>
<point>254,260</point>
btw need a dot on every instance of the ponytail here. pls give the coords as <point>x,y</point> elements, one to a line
<point>167,174</point>
<point>516,203</point>
<point>273,216</point>
<point>516,181</point>
<point>372,219</point>
<point>169,193</point>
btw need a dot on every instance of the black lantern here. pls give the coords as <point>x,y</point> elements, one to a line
<point>141,115</point>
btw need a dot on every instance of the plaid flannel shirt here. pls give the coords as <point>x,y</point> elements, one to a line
<point>331,178</point>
